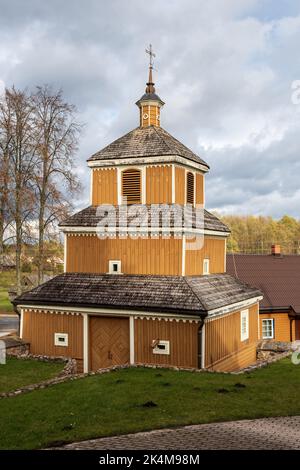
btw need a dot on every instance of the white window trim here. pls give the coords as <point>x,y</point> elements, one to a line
<point>245,315</point>
<point>111,262</point>
<point>166,351</point>
<point>262,329</point>
<point>206,263</point>
<point>65,336</point>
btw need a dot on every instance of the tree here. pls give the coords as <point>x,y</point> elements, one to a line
<point>56,137</point>
<point>21,165</point>
<point>5,139</point>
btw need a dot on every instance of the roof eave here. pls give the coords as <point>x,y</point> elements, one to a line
<point>38,303</point>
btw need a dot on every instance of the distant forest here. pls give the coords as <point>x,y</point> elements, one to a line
<point>250,234</point>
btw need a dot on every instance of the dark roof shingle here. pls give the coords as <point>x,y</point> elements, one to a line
<point>146,142</point>
<point>90,217</point>
<point>278,277</point>
<point>186,295</point>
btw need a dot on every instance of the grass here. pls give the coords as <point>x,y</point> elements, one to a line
<point>17,373</point>
<point>133,400</point>
<point>7,279</point>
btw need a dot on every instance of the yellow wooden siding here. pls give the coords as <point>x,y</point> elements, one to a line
<point>179,185</point>
<point>282,326</point>
<point>138,256</point>
<point>159,185</point>
<point>39,329</point>
<point>153,115</point>
<point>224,349</point>
<point>213,249</point>
<point>104,187</point>
<point>183,337</point>
<point>199,188</point>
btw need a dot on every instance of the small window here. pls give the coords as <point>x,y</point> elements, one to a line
<point>190,188</point>
<point>244,325</point>
<point>61,339</point>
<point>131,186</point>
<point>206,266</point>
<point>161,347</point>
<point>114,267</point>
<point>268,328</point>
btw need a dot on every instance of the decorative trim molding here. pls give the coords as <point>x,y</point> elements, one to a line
<point>77,230</point>
<point>59,310</point>
<point>229,309</point>
<point>146,161</point>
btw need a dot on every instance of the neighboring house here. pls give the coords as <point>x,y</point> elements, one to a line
<point>142,295</point>
<point>28,281</point>
<point>7,262</point>
<point>278,277</point>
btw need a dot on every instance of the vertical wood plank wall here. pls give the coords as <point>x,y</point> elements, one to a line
<point>224,349</point>
<point>88,253</point>
<point>213,249</point>
<point>199,188</point>
<point>39,329</point>
<point>159,185</point>
<point>180,197</point>
<point>282,326</point>
<point>104,186</point>
<point>183,337</point>
<point>138,256</point>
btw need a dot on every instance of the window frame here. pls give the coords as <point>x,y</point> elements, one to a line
<point>165,343</point>
<point>244,315</point>
<point>272,328</point>
<point>65,336</point>
<point>113,262</point>
<point>206,261</point>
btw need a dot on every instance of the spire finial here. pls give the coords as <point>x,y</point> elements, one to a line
<point>150,85</point>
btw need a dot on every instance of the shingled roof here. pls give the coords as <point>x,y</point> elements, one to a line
<point>278,277</point>
<point>146,142</point>
<point>185,295</point>
<point>89,217</point>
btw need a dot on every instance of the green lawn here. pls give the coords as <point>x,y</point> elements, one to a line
<point>17,373</point>
<point>7,279</point>
<point>133,400</point>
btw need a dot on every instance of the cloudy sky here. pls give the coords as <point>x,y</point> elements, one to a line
<point>225,69</point>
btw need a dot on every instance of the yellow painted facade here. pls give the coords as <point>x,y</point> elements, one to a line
<point>157,185</point>
<point>284,326</point>
<point>138,255</point>
<point>225,350</point>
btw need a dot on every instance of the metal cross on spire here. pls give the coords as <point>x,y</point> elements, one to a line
<point>151,55</point>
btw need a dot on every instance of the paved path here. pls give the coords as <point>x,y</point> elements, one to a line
<point>268,433</point>
<point>8,324</point>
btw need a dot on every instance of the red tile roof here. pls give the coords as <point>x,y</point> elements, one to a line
<point>278,277</point>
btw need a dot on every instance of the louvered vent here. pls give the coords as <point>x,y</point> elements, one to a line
<point>190,188</point>
<point>131,186</point>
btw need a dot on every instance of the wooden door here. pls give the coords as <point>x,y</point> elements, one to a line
<point>109,342</point>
